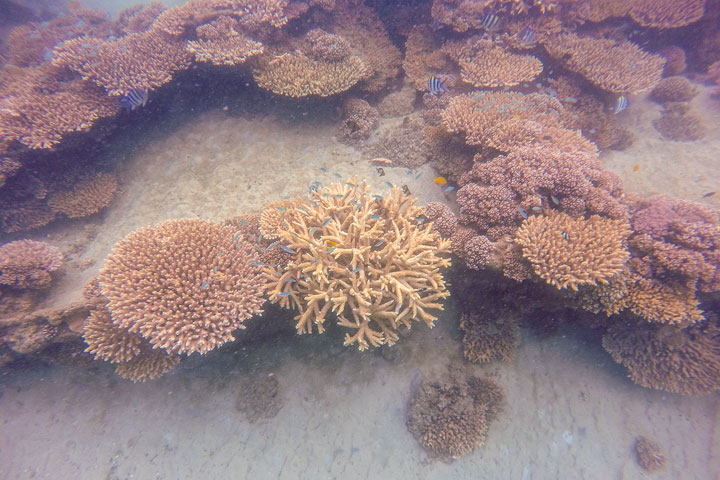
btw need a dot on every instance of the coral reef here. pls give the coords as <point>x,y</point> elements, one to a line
<point>368,259</point>
<point>403,145</point>
<point>451,418</point>
<point>657,302</point>
<point>184,285</point>
<point>674,60</point>
<point>86,197</point>
<point>666,357</point>
<point>27,264</point>
<point>649,455</point>
<point>486,339</point>
<point>567,252</point>
<point>422,57</point>
<point>673,89</point>
<point>108,342</point>
<point>620,67</point>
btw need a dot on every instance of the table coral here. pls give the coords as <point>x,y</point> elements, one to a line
<point>294,74</point>
<point>87,197</point>
<point>221,42</point>
<point>485,64</point>
<point>666,357</point>
<point>371,260</point>
<point>619,67</point>
<point>567,252</point>
<point>140,60</point>
<point>184,285</point>
<point>27,264</point>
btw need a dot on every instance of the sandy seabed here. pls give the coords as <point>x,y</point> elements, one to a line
<point>570,411</point>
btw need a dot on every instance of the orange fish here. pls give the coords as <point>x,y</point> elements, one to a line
<point>636,168</point>
<point>440,180</point>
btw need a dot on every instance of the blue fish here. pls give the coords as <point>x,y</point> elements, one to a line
<point>554,199</point>
<point>137,97</point>
<point>283,294</point>
<point>282,209</point>
<point>272,245</point>
<point>287,249</point>
<point>244,222</point>
<point>327,220</point>
<point>203,285</point>
<point>527,36</point>
<point>621,104</point>
<point>355,270</point>
<point>450,188</point>
<point>522,212</point>
<point>289,280</point>
<point>389,184</point>
<point>379,243</point>
<point>437,85</point>
<point>374,217</point>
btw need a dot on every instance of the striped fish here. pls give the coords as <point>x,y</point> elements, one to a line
<point>137,97</point>
<point>527,36</point>
<point>437,85</point>
<point>489,21</point>
<point>621,104</point>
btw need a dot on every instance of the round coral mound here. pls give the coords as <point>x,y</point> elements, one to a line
<point>27,264</point>
<point>184,285</point>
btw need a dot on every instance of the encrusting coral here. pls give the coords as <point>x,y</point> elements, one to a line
<point>667,357</point>
<point>86,197</point>
<point>568,252</point>
<point>26,264</point>
<point>371,260</point>
<point>452,418</point>
<point>184,285</point>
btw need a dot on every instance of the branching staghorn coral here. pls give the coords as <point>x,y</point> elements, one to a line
<point>184,285</point>
<point>371,260</point>
<point>567,252</point>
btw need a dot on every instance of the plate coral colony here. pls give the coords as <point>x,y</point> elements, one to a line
<point>513,102</point>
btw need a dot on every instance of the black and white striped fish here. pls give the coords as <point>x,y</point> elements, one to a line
<point>437,85</point>
<point>137,97</point>
<point>489,21</point>
<point>621,104</point>
<point>527,36</point>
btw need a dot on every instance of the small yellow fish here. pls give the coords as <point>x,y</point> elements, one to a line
<point>440,180</point>
<point>636,168</point>
<point>331,243</point>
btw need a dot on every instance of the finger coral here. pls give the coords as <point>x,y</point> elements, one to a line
<point>184,285</point>
<point>666,357</point>
<point>452,418</point>
<point>567,252</point>
<point>295,74</point>
<point>371,260</point>
<point>26,264</point>
<point>660,303</point>
<point>620,67</point>
<point>87,197</point>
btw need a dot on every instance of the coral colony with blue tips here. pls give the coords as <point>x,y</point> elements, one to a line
<point>279,238</point>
